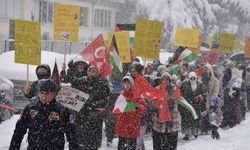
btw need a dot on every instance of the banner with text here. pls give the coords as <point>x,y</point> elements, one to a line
<point>227,41</point>
<point>187,37</point>
<point>27,35</point>
<point>66,22</point>
<point>72,98</point>
<point>123,45</point>
<point>148,34</point>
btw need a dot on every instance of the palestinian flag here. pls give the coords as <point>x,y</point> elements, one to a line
<point>175,69</point>
<point>114,59</point>
<point>181,101</point>
<point>121,105</point>
<point>127,27</point>
<point>116,63</point>
<point>183,54</point>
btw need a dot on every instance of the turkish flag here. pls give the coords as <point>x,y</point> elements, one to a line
<point>142,89</point>
<point>97,55</point>
<point>200,71</point>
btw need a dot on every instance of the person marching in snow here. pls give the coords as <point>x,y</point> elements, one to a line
<point>165,134</point>
<point>127,124</point>
<point>194,92</point>
<point>42,72</point>
<point>77,69</point>
<point>211,83</point>
<point>46,121</point>
<point>215,116</point>
<point>89,120</point>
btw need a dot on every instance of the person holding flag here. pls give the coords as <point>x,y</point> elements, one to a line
<point>165,134</point>
<point>129,111</point>
<point>89,120</point>
<point>194,92</point>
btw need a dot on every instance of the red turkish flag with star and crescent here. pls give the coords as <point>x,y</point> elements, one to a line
<point>142,89</point>
<point>97,55</point>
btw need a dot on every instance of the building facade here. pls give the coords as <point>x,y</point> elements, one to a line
<point>96,16</point>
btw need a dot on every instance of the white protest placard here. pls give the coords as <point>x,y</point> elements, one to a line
<point>72,98</point>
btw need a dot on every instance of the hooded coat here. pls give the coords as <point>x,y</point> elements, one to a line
<point>35,86</point>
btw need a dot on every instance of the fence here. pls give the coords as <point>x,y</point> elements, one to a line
<point>47,45</point>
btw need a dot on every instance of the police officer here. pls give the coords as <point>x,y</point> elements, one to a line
<point>47,122</point>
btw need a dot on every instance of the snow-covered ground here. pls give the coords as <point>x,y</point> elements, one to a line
<point>236,138</point>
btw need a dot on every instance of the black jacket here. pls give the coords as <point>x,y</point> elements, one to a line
<point>47,124</point>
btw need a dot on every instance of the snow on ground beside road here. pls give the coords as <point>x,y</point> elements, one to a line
<point>236,138</point>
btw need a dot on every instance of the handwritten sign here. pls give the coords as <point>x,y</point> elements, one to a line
<point>123,45</point>
<point>227,41</point>
<point>147,42</point>
<point>67,20</point>
<point>187,37</point>
<point>72,98</point>
<point>27,43</point>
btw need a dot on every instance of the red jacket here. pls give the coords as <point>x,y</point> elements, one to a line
<point>128,123</point>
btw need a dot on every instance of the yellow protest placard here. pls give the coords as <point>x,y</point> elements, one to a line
<point>247,47</point>
<point>123,45</point>
<point>148,34</point>
<point>27,43</point>
<point>66,22</point>
<point>109,39</point>
<point>227,41</point>
<point>187,37</point>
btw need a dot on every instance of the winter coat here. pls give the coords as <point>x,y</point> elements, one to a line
<point>215,115</point>
<point>186,91</point>
<point>47,124</point>
<point>172,126</point>
<point>89,120</point>
<point>213,89</point>
<point>128,123</point>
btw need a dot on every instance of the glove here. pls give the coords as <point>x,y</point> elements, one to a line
<point>199,98</point>
<point>169,124</point>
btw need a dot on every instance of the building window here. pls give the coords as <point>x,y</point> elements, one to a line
<point>47,12</point>
<point>84,16</point>
<point>102,18</point>
<point>10,9</point>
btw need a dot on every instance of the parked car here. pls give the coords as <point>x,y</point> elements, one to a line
<point>6,97</point>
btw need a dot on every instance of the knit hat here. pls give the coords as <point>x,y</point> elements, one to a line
<point>130,79</point>
<point>192,74</point>
<point>216,100</point>
<point>48,86</point>
<point>161,69</point>
<point>166,74</point>
<point>137,66</point>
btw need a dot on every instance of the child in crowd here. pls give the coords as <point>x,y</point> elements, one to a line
<point>215,116</point>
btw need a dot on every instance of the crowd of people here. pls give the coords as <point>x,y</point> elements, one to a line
<point>219,97</point>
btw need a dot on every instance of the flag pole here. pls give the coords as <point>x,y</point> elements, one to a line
<point>27,81</point>
<point>65,51</point>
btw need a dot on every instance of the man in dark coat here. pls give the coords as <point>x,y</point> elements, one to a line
<point>47,122</point>
<point>42,72</point>
<point>90,118</point>
<point>77,69</point>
